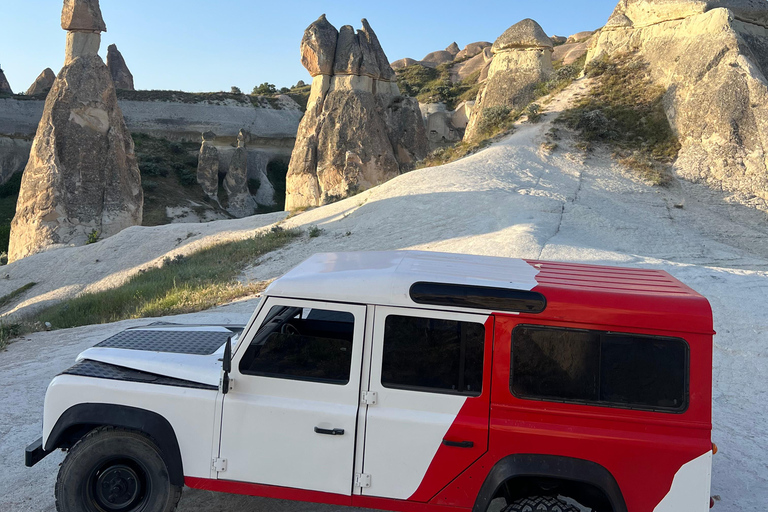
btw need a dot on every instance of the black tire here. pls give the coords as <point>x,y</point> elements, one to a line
<point>540,504</point>
<point>115,470</point>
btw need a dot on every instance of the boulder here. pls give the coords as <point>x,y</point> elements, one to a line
<point>522,58</point>
<point>82,176</point>
<point>82,15</point>
<point>318,47</point>
<point>208,166</point>
<point>403,63</point>
<point>357,131</point>
<point>713,65</point>
<point>556,40</point>
<point>453,49</point>
<point>472,49</point>
<point>580,37</point>
<point>43,83</point>
<point>240,203</point>
<point>5,87</point>
<point>434,59</point>
<point>121,75</point>
<point>464,69</point>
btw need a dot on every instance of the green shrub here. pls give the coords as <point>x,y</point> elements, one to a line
<point>265,89</point>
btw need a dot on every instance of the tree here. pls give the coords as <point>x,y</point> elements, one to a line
<point>265,89</point>
<point>236,90</point>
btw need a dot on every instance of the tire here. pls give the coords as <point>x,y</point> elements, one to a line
<point>115,470</point>
<point>540,504</point>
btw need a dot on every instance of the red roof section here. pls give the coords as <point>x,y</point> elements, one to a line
<point>620,297</point>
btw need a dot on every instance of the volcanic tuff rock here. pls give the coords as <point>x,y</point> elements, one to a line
<point>208,166</point>
<point>357,131</point>
<point>434,59</point>
<point>580,37</point>
<point>472,49</point>
<point>82,176</point>
<point>43,83</point>
<point>82,15</point>
<point>240,202</point>
<point>453,49</point>
<point>522,59</point>
<point>318,47</point>
<point>712,59</point>
<point>5,87</point>
<point>559,39</point>
<point>121,75</point>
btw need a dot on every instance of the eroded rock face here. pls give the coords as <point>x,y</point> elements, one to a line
<point>82,174</point>
<point>82,177</point>
<point>208,166</point>
<point>5,87</point>
<point>318,47</point>
<point>522,59</point>
<point>121,75</point>
<point>43,83</point>
<point>714,68</point>
<point>644,13</point>
<point>473,49</point>
<point>240,202</point>
<point>357,131</point>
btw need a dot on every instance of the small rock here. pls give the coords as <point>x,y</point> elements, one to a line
<point>43,83</point>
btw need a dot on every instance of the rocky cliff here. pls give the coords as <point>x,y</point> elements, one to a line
<point>358,131</point>
<point>712,58</point>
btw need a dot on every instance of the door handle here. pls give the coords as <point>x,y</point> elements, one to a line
<point>330,431</point>
<point>458,444</point>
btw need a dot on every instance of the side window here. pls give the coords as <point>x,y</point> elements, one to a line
<point>302,344</point>
<point>600,368</point>
<point>439,356</point>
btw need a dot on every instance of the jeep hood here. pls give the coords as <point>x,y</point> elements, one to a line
<point>186,352</point>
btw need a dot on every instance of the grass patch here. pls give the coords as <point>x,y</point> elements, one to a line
<point>8,332</point>
<point>181,285</point>
<point>7,299</point>
<point>9,195</point>
<point>625,110</point>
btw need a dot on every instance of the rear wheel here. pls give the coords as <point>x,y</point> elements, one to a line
<point>540,504</point>
<point>114,470</point>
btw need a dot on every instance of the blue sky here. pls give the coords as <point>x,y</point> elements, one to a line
<point>211,45</point>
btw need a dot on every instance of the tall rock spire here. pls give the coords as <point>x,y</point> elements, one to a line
<point>82,177</point>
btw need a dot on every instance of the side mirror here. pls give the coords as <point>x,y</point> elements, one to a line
<point>226,367</point>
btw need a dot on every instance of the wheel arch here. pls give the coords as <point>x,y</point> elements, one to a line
<point>526,469</point>
<point>80,419</point>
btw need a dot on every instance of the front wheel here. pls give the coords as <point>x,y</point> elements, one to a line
<point>540,504</point>
<point>114,470</point>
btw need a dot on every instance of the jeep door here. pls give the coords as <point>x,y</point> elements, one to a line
<point>290,419</point>
<point>431,373</point>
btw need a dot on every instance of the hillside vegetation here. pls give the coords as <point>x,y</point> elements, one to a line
<point>625,111</point>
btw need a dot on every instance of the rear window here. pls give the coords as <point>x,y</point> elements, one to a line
<point>600,368</point>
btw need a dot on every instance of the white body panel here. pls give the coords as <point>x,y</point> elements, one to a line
<point>189,411</point>
<point>405,428</point>
<point>690,487</point>
<point>385,278</point>
<point>268,423</point>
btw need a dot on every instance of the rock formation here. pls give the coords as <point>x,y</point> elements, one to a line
<point>522,58</point>
<point>358,131</point>
<point>559,40</point>
<point>473,49</point>
<point>208,166</point>
<point>121,75</point>
<point>453,49</point>
<point>579,37</point>
<point>5,87</point>
<point>43,83</point>
<point>240,202</point>
<point>434,59</point>
<point>82,175</point>
<point>712,59</point>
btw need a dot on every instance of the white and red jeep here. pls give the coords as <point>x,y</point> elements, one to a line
<point>404,381</point>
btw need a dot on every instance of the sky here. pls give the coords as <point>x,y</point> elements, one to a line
<point>212,45</point>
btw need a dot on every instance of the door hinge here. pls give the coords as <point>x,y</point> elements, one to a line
<point>362,480</point>
<point>219,465</point>
<point>370,397</point>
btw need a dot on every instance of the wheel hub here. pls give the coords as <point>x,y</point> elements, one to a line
<point>117,487</point>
